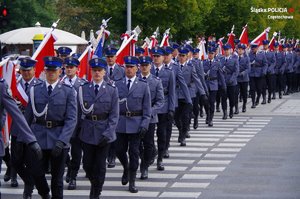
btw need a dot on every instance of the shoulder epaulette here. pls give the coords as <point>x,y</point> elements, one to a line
<point>112,84</point>
<point>1,80</point>
<point>67,85</point>
<point>38,83</point>
<point>142,80</point>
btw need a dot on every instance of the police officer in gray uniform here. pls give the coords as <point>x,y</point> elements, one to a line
<point>135,115</point>
<point>257,73</point>
<point>19,150</point>
<point>157,102</point>
<point>166,113</point>
<point>114,72</point>
<point>243,77</point>
<point>71,68</point>
<point>289,70</point>
<point>279,70</point>
<point>297,68</point>
<point>52,114</point>
<point>99,111</point>
<point>230,66</point>
<point>25,135</point>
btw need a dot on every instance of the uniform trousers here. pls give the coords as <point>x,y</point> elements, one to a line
<point>182,118</point>
<point>212,100</point>
<point>221,97</point>
<point>147,147</point>
<point>242,90</point>
<point>128,142</point>
<point>256,87</point>
<point>231,95</point>
<point>161,133</point>
<point>76,155</point>
<point>270,80</point>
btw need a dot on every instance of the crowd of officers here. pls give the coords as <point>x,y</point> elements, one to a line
<point>117,114</point>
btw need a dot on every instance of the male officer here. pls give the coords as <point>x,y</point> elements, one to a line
<point>139,51</point>
<point>257,73</point>
<point>214,79</point>
<point>23,131</point>
<point>157,102</point>
<point>182,115</point>
<point>167,112</point>
<point>297,68</point>
<point>18,148</point>
<point>289,70</point>
<point>271,60</point>
<point>180,82</point>
<point>71,68</point>
<point>243,77</point>
<point>99,110</point>
<point>230,66</point>
<point>279,70</point>
<point>175,46</point>
<point>135,115</point>
<point>63,52</point>
<point>114,72</point>
<point>52,114</point>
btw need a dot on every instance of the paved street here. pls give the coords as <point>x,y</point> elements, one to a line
<point>254,155</point>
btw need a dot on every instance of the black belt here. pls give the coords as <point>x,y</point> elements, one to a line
<point>98,117</point>
<point>132,114</point>
<point>210,78</point>
<point>166,92</point>
<point>49,123</point>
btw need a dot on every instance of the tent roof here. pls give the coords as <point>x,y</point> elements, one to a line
<point>25,35</point>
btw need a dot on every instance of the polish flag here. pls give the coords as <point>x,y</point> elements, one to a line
<point>220,48</point>
<point>263,36</point>
<point>145,46</point>
<point>46,48</point>
<point>83,68</point>
<point>272,42</point>
<point>165,40</point>
<point>231,37</point>
<point>244,36</point>
<point>201,47</point>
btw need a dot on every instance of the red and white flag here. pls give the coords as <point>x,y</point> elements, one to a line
<point>165,40</point>
<point>244,36</point>
<point>220,46</point>
<point>201,47</point>
<point>272,42</point>
<point>231,37</point>
<point>153,40</point>
<point>145,46</point>
<point>46,48</point>
<point>263,36</point>
<point>83,68</point>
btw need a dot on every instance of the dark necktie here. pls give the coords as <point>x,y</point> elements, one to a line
<point>209,63</point>
<point>96,89</point>
<point>144,78</point>
<point>181,66</point>
<point>49,90</point>
<point>110,71</point>
<point>166,65</point>
<point>156,72</point>
<point>239,58</point>
<point>70,80</point>
<point>26,87</point>
<point>128,84</point>
<point>225,60</point>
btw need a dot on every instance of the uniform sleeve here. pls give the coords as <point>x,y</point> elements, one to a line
<point>70,117</point>
<point>183,86</point>
<point>172,96</point>
<point>236,71</point>
<point>196,80</point>
<point>221,78</point>
<point>159,98</point>
<point>272,64</point>
<point>113,118</point>
<point>265,64</point>
<point>11,107</point>
<point>146,108</point>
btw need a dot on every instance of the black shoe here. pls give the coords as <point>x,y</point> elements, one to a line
<point>167,155</point>
<point>218,109</point>
<point>244,108</point>
<point>132,187</point>
<point>236,111</point>
<point>46,196</point>
<point>253,106</point>
<point>187,135</point>
<point>264,101</point>
<point>160,166</point>
<point>231,113</point>
<point>111,163</point>
<point>225,115</point>
<point>14,182</point>
<point>7,176</point>
<point>201,114</point>
<point>125,177</point>
<point>68,176</point>
<point>183,143</point>
<point>269,100</point>
<point>195,123</point>
<point>72,184</point>
<point>210,124</point>
<point>280,96</point>
<point>27,196</point>
<point>274,96</point>
<point>144,174</point>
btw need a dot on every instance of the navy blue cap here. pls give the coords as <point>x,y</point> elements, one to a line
<point>76,55</point>
<point>243,46</point>
<point>131,61</point>
<point>139,50</point>
<point>265,42</point>
<point>175,45</point>
<point>157,51</point>
<point>290,45</point>
<point>110,51</point>
<point>71,61</point>
<point>297,50</point>
<point>64,50</point>
<point>168,50</point>
<point>254,45</point>
<point>52,63</point>
<point>211,49</point>
<point>27,63</point>
<point>276,44</point>
<point>227,47</point>
<point>196,50</point>
<point>236,41</point>
<point>183,50</point>
<point>145,60</point>
<point>97,63</point>
<point>249,40</point>
<point>284,46</point>
<point>189,47</point>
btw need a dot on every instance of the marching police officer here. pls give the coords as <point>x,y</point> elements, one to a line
<point>99,111</point>
<point>230,68</point>
<point>279,70</point>
<point>182,115</point>
<point>289,70</point>
<point>257,73</point>
<point>243,77</point>
<point>297,68</point>
<point>139,51</point>
<point>71,68</point>
<point>63,52</point>
<point>135,115</point>
<point>180,82</point>
<point>157,102</point>
<point>271,60</point>
<point>19,149</point>
<point>52,114</point>
<point>114,72</point>
<point>166,113</point>
<point>214,79</point>
<point>24,132</point>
